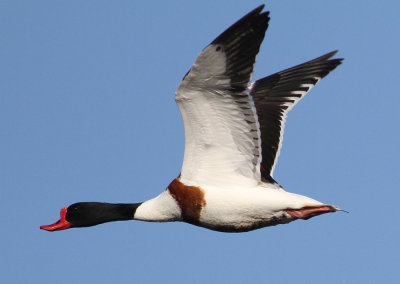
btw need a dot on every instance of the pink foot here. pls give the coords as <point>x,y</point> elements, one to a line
<point>308,212</point>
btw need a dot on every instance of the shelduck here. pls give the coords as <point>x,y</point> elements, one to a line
<point>233,136</point>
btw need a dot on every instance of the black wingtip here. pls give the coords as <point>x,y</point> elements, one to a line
<point>255,18</point>
<point>335,62</point>
<point>328,56</point>
<point>240,44</point>
<point>257,10</point>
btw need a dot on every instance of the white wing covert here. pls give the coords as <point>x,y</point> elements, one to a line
<point>222,135</point>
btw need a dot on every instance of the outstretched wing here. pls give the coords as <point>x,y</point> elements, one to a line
<point>222,137</point>
<point>274,96</point>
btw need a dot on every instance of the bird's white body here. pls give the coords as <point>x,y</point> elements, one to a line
<point>246,209</point>
<point>231,209</point>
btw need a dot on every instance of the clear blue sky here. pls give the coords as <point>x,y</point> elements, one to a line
<point>87,114</point>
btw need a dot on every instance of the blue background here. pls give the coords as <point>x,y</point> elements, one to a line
<point>87,114</point>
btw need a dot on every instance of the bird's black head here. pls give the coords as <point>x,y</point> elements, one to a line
<point>86,214</point>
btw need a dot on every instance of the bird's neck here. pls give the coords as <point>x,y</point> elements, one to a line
<point>162,208</point>
<point>109,212</point>
<point>121,211</point>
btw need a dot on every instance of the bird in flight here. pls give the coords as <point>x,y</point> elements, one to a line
<point>233,136</point>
